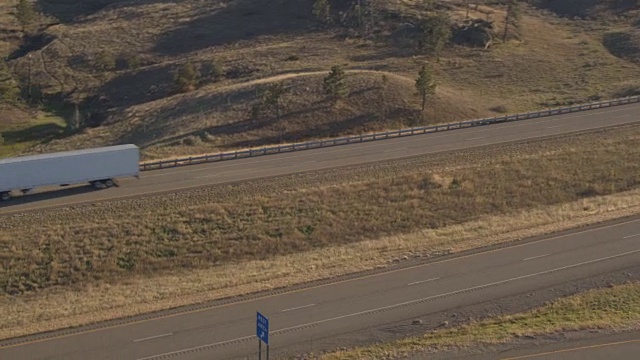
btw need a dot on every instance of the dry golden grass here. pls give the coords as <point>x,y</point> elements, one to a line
<point>613,308</point>
<point>555,62</point>
<point>303,227</point>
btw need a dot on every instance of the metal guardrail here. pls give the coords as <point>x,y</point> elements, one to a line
<point>146,166</point>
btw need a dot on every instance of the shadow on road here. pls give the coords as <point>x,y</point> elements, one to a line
<point>49,194</point>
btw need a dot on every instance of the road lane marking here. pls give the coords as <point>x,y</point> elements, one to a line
<point>573,349</point>
<point>423,281</point>
<point>153,337</point>
<point>557,126</point>
<point>554,238</point>
<point>477,138</point>
<point>402,304</point>
<point>630,236</point>
<point>535,257</point>
<point>297,308</point>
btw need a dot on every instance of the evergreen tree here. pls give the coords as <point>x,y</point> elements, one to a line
<point>512,17</point>
<point>322,11</point>
<point>334,84</point>
<point>435,33</point>
<point>9,90</point>
<point>25,13</point>
<point>425,84</point>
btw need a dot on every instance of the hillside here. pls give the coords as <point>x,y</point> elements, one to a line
<point>116,61</point>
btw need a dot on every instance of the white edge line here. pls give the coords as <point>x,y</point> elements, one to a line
<point>630,236</point>
<point>401,304</point>
<point>535,257</point>
<point>299,307</point>
<point>423,281</point>
<point>153,337</point>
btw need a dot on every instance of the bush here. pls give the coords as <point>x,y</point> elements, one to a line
<point>499,109</point>
<point>128,61</point>
<point>105,61</point>
<point>187,77</point>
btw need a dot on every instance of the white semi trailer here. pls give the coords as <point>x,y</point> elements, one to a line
<point>99,167</point>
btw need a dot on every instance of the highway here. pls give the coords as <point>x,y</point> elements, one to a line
<point>175,179</point>
<point>625,345</point>
<point>323,316</point>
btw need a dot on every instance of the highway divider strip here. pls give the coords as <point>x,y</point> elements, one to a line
<point>270,150</point>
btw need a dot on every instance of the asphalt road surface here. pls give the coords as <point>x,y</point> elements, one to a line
<point>619,346</point>
<point>324,158</point>
<point>323,316</point>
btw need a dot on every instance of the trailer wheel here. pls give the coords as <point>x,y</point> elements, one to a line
<point>109,183</point>
<point>5,196</point>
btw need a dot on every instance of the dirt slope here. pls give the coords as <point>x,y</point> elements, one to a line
<point>117,60</point>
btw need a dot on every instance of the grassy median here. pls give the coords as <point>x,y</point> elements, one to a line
<point>612,308</point>
<point>127,257</point>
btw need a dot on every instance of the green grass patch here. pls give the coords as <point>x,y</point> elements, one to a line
<point>611,308</point>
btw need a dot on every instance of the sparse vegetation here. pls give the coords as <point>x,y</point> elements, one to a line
<point>259,41</point>
<point>128,85</point>
<point>299,228</point>
<point>609,308</point>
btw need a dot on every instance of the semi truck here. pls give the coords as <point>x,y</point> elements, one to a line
<point>99,167</point>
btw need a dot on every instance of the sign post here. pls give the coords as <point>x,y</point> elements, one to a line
<point>262,332</point>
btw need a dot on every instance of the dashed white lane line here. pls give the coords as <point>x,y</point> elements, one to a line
<point>535,257</point>
<point>630,236</point>
<point>388,307</point>
<point>298,308</point>
<point>153,337</point>
<point>422,281</point>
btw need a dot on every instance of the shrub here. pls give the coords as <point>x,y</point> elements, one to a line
<point>187,77</point>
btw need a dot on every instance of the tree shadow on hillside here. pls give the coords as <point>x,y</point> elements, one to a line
<point>140,87</point>
<point>68,11</point>
<point>41,133</point>
<point>240,20</point>
<point>623,45</point>
<point>353,125</point>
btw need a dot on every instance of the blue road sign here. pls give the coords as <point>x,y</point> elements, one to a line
<point>262,328</point>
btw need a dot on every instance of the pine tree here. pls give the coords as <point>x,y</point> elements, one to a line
<point>9,90</point>
<point>272,98</point>
<point>25,13</point>
<point>425,84</point>
<point>436,33</point>
<point>334,84</point>
<point>322,11</point>
<point>512,17</point>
